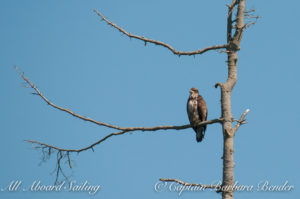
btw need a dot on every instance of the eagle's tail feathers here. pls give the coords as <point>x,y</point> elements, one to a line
<point>200,134</point>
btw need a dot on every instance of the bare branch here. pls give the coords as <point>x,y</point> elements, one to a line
<point>63,109</point>
<point>190,184</point>
<point>125,129</point>
<point>74,150</point>
<point>130,129</point>
<point>249,12</point>
<point>239,21</point>
<point>231,6</point>
<point>176,52</point>
<point>250,17</point>
<point>241,121</point>
<point>229,19</point>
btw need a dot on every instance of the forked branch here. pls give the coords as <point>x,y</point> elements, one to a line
<point>144,39</point>
<point>241,121</point>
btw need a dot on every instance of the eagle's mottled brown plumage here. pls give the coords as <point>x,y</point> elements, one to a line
<point>197,112</point>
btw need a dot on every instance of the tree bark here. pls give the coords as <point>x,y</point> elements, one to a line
<point>228,134</point>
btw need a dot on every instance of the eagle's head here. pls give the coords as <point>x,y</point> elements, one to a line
<point>194,91</point>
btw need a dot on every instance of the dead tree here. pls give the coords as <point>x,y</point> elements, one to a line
<point>235,28</point>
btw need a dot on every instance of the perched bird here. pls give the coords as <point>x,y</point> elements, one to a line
<point>197,112</point>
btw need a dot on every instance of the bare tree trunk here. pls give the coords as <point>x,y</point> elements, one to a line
<point>226,90</point>
<point>228,160</point>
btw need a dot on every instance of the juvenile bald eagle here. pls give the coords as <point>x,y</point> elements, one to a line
<point>197,112</point>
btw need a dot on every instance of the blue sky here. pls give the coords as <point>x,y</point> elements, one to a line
<point>80,63</point>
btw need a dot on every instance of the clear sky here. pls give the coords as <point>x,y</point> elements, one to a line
<point>81,63</point>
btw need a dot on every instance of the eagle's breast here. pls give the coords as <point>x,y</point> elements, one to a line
<point>193,111</point>
<point>192,105</point>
